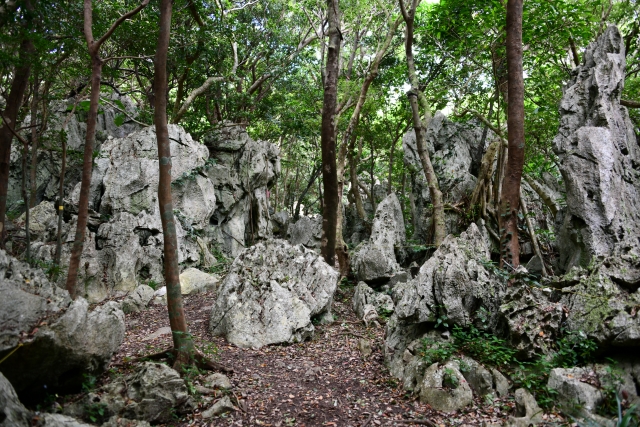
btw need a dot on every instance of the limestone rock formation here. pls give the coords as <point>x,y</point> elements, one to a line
<point>599,158</point>
<point>242,172</point>
<point>153,392</point>
<point>456,152</point>
<point>375,261</point>
<point>271,293</point>
<point>445,388</point>
<point>123,246</point>
<point>365,296</point>
<point>52,340</point>
<point>306,231</point>
<point>12,412</point>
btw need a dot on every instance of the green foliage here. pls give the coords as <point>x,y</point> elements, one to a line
<point>95,412</point>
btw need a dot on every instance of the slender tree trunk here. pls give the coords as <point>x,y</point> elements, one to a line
<point>25,198</point>
<point>182,341</point>
<point>92,120</point>
<point>14,101</point>
<point>353,176</point>
<point>510,197</point>
<point>35,139</point>
<point>415,95</point>
<point>63,170</point>
<point>328,137</point>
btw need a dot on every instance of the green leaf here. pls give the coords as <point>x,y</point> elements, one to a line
<point>119,120</point>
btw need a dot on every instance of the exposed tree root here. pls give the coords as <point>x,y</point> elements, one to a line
<point>182,359</point>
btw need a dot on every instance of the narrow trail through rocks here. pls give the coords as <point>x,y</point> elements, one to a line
<point>323,382</point>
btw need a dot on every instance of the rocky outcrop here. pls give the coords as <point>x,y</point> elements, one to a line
<point>376,261</point>
<point>153,393</point>
<point>455,150</point>
<point>138,300</point>
<point>453,285</point>
<point>366,299</point>
<point>114,120</point>
<point>50,340</point>
<point>272,292</point>
<point>124,241</point>
<point>12,412</point>
<point>599,158</point>
<point>445,388</point>
<point>243,170</point>
<point>306,231</point>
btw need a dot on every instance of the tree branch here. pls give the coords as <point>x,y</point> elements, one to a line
<point>120,21</point>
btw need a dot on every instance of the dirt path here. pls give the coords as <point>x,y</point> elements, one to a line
<point>323,382</point>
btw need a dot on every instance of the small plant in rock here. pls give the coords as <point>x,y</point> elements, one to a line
<point>437,352</point>
<point>450,379</point>
<point>95,412</point>
<point>152,284</point>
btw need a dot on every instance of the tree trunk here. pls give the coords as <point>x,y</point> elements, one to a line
<point>510,197</point>
<point>60,206</point>
<point>182,341</point>
<point>10,114</point>
<point>92,119</point>
<point>439,230</point>
<point>328,137</point>
<point>35,136</point>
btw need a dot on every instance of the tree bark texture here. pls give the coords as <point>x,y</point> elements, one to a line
<point>182,341</point>
<point>510,196</point>
<point>90,139</point>
<point>415,96</point>
<point>328,136</point>
<point>10,114</point>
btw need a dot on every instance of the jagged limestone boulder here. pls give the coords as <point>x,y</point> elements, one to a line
<point>599,157</point>
<point>365,296</point>
<point>12,412</point>
<point>445,388</point>
<point>375,260</point>
<point>306,231</point>
<point>243,172</point>
<point>193,281</point>
<point>138,300</point>
<point>52,340</point>
<point>533,320</point>
<point>456,152</point>
<point>153,392</point>
<point>272,292</point>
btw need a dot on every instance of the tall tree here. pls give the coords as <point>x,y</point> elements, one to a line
<point>415,95</point>
<point>90,139</point>
<point>10,114</point>
<point>328,135</point>
<point>510,197</point>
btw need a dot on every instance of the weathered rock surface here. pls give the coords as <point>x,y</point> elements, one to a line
<point>242,174</point>
<point>222,406</point>
<point>306,231</point>
<point>599,158</point>
<point>445,388</point>
<point>138,300</point>
<point>194,281</point>
<point>271,293</point>
<point>527,410</point>
<point>453,283</point>
<point>56,340</point>
<point>533,320</point>
<point>456,152</point>
<point>49,162</point>
<point>12,412</point>
<point>574,392</point>
<point>375,261</point>
<point>153,393</point>
<point>126,249</point>
<point>364,296</point>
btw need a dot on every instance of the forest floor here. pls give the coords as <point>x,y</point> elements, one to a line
<point>322,382</point>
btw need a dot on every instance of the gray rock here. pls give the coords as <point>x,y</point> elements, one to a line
<point>60,420</point>
<point>306,231</point>
<point>61,339</point>
<point>574,394</point>
<point>43,222</point>
<point>445,388</point>
<point>193,281</point>
<point>598,154</point>
<point>453,282</point>
<point>217,380</point>
<point>153,393</point>
<point>222,406</point>
<point>500,383</point>
<point>532,319</point>
<point>456,154</point>
<point>12,412</point>
<point>280,221</point>
<point>117,421</point>
<point>480,379</point>
<point>375,261</point>
<point>364,295</point>
<point>242,175</point>
<point>138,300</point>
<point>364,347</point>
<point>271,293</point>
<point>527,410</point>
